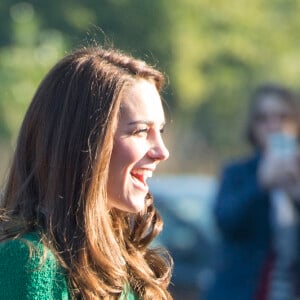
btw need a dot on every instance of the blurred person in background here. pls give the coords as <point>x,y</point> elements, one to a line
<point>76,216</point>
<point>258,203</point>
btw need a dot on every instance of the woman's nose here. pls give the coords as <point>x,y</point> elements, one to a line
<point>159,151</point>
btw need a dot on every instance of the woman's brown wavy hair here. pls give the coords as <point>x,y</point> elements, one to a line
<point>58,180</point>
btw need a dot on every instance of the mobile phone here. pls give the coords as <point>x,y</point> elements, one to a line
<point>282,144</point>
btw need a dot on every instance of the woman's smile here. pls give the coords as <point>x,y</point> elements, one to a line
<point>140,177</point>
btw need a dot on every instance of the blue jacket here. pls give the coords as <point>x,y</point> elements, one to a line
<point>242,215</point>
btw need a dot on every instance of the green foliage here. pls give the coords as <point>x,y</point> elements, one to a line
<point>23,63</point>
<point>221,51</point>
<point>42,31</point>
<point>214,52</point>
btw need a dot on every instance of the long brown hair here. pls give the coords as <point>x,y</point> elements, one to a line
<point>58,180</point>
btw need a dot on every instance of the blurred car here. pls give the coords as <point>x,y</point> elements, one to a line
<point>190,235</point>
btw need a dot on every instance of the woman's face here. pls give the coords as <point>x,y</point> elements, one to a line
<point>138,146</point>
<point>273,115</point>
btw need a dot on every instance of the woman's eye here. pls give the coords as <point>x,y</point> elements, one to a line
<point>140,131</point>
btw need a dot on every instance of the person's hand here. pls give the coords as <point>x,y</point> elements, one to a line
<point>278,172</point>
<point>281,172</point>
<point>291,181</point>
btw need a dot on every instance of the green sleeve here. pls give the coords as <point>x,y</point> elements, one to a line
<point>30,274</point>
<point>128,294</point>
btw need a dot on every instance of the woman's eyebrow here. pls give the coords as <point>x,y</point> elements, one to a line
<point>146,122</point>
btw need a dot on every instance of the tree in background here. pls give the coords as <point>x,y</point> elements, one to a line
<point>39,32</point>
<point>214,52</point>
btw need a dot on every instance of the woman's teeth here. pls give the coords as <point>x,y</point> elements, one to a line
<point>142,175</point>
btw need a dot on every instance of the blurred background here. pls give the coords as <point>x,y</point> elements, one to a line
<point>213,53</point>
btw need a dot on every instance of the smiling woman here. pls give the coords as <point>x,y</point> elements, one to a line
<point>77,218</point>
<point>138,146</point>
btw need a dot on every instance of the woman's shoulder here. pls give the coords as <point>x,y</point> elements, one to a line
<point>28,267</point>
<point>21,240</point>
<point>27,249</point>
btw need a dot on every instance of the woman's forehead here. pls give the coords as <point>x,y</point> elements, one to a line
<point>141,102</point>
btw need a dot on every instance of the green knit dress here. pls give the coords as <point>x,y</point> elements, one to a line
<point>33,273</point>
